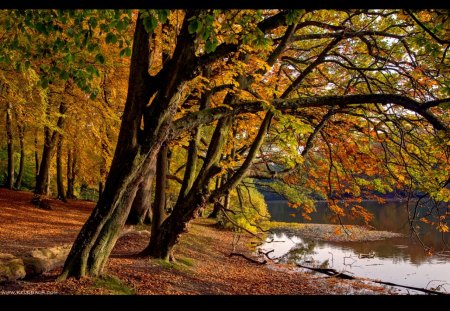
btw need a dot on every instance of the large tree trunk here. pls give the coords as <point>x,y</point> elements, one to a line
<point>59,169</point>
<point>163,241</point>
<point>136,150</point>
<point>166,236</point>
<point>47,153</point>
<point>21,131</point>
<point>9,137</point>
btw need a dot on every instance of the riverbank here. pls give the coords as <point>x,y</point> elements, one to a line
<point>203,263</point>
<point>332,233</point>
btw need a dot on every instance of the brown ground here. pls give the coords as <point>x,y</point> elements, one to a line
<point>203,265</point>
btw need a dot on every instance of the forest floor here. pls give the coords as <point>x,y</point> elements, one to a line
<point>203,263</point>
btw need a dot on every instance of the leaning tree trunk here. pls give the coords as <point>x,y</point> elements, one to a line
<point>140,212</point>
<point>21,131</point>
<point>159,206</point>
<point>9,137</point>
<point>59,169</point>
<point>136,150</point>
<point>163,241</point>
<point>166,236</point>
<point>217,205</point>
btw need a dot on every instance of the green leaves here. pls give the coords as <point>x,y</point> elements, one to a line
<point>100,58</point>
<point>150,23</point>
<point>111,38</point>
<point>204,28</point>
<point>293,16</point>
<point>194,26</point>
<point>125,52</point>
<point>151,18</point>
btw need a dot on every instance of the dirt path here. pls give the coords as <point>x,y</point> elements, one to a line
<point>203,265</point>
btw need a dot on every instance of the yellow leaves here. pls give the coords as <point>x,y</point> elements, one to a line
<point>424,16</point>
<point>236,28</point>
<point>338,231</point>
<point>443,227</point>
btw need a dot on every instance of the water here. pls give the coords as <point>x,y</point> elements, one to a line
<point>398,260</point>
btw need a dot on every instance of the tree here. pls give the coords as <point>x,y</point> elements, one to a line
<point>8,123</point>
<point>267,94</point>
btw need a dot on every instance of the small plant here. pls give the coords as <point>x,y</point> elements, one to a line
<point>114,285</point>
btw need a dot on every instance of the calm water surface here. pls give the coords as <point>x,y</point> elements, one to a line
<point>398,260</point>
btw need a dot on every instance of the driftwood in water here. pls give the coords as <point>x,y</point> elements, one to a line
<point>334,273</point>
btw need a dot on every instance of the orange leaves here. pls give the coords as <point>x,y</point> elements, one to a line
<point>336,209</point>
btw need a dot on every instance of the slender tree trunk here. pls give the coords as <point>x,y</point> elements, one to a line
<point>36,156</point>
<point>216,207</point>
<point>140,212</point>
<point>159,206</point>
<point>191,166</point>
<point>136,150</point>
<point>72,159</point>
<point>9,137</point>
<point>21,131</point>
<point>42,183</point>
<point>69,173</point>
<point>59,169</point>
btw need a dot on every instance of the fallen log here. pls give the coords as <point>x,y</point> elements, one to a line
<point>249,259</point>
<point>341,275</point>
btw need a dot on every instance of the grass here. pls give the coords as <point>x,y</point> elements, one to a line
<point>181,264</point>
<point>141,227</point>
<point>114,285</point>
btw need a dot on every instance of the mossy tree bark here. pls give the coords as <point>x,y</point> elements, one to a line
<point>140,212</point>
<point>159,206</point>
<point>163,240</point>
<point>137,148</point>
<point>166,236</point>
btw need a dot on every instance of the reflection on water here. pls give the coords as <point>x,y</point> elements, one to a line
<point>391,216</point>
<point>398,260</point>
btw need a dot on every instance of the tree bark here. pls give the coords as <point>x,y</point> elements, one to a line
<point>21,131</point>
<point>159,206</point>
<point>9,137</point>
<point>217,205</point>
<point>59,169</point>
<point>71,172</point>
<point>163,241</point>
<point>36,156</point>
<point>47,153</point>
<point>136,150</point>
<point>140,212</point>
<point>191,165</point>
<point>166,236</point>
